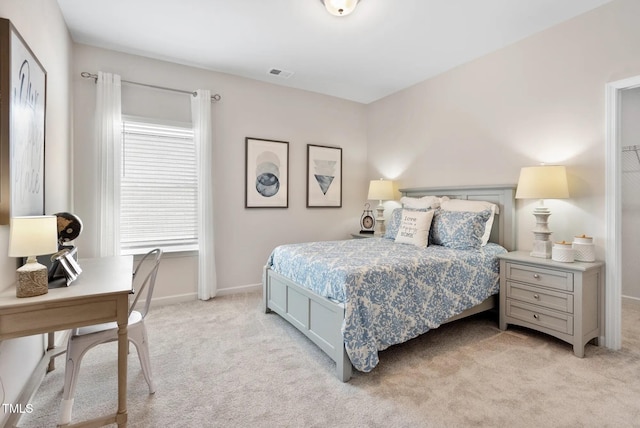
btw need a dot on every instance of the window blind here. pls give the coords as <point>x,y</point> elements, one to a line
<point>159,188</point>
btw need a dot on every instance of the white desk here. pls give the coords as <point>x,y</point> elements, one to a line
<point>100,294</point>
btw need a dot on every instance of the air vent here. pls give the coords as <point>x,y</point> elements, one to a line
<point>283,74</point>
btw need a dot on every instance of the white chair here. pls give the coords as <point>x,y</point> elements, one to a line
<point>84,338</point>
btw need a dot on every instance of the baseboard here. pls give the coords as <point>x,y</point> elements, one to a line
<point>240,289</point>
<point>632,300</point>
<point>189,297</point>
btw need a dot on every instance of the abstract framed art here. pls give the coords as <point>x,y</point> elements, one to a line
<point>324,176</point>
<point>266,173</point>
<point>22,127</point>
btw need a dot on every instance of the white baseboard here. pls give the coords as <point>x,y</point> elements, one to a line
<point>240,289</point>
<point>189,297</point>
<point>629,299</point>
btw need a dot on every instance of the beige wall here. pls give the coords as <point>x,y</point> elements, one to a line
<point>539,100</point>
<point>41,25</point>
<point>244,237</point>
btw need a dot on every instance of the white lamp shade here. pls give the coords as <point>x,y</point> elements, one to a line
<point>33,236</point>
<point>543,182</point>
<point>340,7</point>
<point>381,190</point>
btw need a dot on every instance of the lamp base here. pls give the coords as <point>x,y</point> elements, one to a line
<point>541,249</point>
<point>33,280</point>
<point>380,229</point>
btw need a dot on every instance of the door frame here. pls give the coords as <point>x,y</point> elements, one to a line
<point>613,210</point>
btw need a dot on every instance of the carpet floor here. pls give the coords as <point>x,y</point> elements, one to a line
<point>225,363</point>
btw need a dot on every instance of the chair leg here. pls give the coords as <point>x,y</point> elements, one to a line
<point>74,358</point>
<point>140,340</point>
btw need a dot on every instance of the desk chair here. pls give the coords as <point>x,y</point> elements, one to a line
<point>84,338</point>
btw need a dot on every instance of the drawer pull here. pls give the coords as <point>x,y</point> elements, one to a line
<point>536,296</point>
<point>536,276</point>
<point>536,316</point>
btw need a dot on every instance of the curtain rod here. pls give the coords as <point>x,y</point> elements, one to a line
<point>87,75</point>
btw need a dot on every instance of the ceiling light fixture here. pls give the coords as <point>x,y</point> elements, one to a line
<point>340,7</point>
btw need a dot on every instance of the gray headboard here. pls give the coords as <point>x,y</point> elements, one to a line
<point>504,224</point>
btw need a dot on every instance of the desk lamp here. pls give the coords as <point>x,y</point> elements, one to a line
<point>30,237</point>
<point>542,182</point>
<point>381,190</point>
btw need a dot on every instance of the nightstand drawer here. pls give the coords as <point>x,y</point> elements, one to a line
<point>557,321</point>
<point>540,296</point>
<point>560,280</point>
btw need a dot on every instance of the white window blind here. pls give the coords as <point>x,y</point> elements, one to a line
<point>159,188</point>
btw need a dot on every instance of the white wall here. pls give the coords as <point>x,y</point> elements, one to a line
<point>538,100</point>
<point>244,237</point>
<point>630,136</point>
<point>41,25</point>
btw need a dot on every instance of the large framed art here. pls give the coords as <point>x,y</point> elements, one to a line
<point>324,176</point>
<point>23,83</point>
<point>266,173</point>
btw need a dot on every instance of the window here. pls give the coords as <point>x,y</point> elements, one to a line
<point>159,187</point>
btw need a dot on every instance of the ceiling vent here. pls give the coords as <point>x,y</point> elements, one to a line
<point>283,74</point>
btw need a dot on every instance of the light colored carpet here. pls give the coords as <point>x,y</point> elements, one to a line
<point>224,363</point>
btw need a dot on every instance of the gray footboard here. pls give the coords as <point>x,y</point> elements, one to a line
<point>317,317</point>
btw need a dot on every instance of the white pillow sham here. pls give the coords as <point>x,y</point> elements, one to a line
<point>424,202</point>
<point>414,228</point>
<point>473,206</point>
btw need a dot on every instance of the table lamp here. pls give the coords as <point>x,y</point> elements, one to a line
<point>381,190</point>
<point>30,237</point>
<point>542,182</point>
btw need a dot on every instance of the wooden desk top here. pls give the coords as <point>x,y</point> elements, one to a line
<point>99,277</point>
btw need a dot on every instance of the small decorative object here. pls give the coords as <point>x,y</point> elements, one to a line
<point>65,268</point>
<point>266,173</point>
<point>381,190</point>
<point>542,182</point>
<point>324,176</point>
<point>562,252</point>
<point>64,264</point>
<point>69,227</point>
<point>584,248</point>
<point>367,221</point>
<point>30,237</point>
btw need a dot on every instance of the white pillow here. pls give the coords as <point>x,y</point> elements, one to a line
<point>420,203</point>
<point>473,206</point>
<point>414,228</point>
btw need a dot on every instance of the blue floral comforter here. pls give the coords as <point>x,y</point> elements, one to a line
<point>391,292</point>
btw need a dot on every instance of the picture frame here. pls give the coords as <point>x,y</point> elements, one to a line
<point>65,266</point>
<point>23,82</point>
<point>266,173</point>
<point>324,176</point>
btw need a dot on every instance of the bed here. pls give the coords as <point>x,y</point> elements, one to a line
<point>356,297</point>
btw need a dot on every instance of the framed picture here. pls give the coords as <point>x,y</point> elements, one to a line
<point>22,125</point>
<point>266,173</point>
<point>324,176</point>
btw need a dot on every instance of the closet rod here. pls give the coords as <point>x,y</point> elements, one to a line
<point>87,75</point>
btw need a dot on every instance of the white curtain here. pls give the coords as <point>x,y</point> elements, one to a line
<point>201,117</point>
<point>109,135</point>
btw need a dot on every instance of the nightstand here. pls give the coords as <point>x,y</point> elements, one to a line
<point>363,235</point>
<point>564,300</point>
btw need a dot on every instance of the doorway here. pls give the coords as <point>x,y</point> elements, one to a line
<point>613,210</point>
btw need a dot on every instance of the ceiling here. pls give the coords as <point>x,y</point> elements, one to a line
<point>382,47</point>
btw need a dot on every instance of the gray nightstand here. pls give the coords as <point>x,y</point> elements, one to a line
<point>564,300</point>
